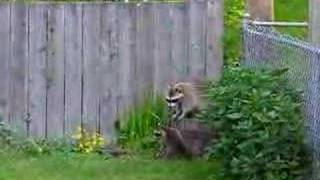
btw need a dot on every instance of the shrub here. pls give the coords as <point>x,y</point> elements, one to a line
<point>10,140</point>
<point>260,125</point>
<point>32,146</point>
<point>6,134</point>
<point>137,125</point>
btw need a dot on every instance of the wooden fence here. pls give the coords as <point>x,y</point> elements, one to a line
<point>63,65</point>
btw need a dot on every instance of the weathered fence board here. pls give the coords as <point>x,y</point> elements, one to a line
<point>162,46</point>
<point>4,59</point>
<point>55,71</point>
<point>81,64</point>
<point>126,57</point>
<point>73,67</point>
<point>18,66</point>
<point>37,69</point>
<point>109,68</point>
<point>179,41</point>
<point>145,47</point>
<point>91,39</point>
<point>197,42</point>
<point>132,38</point>
<point>214,33</point>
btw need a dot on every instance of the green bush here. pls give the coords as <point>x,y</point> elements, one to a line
<point>10,140</point>
<point>260,125</point>
<point>137,125</point>
<point>6,134</point>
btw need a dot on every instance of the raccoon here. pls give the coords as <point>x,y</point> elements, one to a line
<point>183,100</point>
<point>189,138</point>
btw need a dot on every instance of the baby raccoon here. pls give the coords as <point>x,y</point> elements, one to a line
<point>183,100</point>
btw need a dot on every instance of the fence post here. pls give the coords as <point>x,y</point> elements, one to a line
<point>314,21</point>
<point>260,9</point>
<point>314,86</point>
<point>314,38</point>
<point>312,110</point>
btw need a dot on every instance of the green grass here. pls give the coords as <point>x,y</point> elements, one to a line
<point>94,167</point>
<point>293,10</point>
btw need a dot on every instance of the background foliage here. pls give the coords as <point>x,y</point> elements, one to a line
<point>284,10</point>
<point>233,11</point>
<point>260,126</point>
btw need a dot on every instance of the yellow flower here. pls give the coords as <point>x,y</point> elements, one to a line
<point>88,142</point>
<point>89,149</point>
<point>77,136</point>
<point>94,143</point>
<point>79,129</point>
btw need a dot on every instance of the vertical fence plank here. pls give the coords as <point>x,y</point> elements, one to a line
<point>132,37</point>
<point>55,71</point>
<point>109,69</point>
<point>145,44</point>
<point>126,57</point>
<point>162,47</point>
<point>197,42</point>
<point>179,42</point>
<point>4,58</point>
<point>37,67</point>
<point>18,66</point>
<point>91,32</point>
<point>73,66</point>
<point>214,52</point>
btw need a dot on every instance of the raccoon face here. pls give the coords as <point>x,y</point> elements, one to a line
<point>175,94</point>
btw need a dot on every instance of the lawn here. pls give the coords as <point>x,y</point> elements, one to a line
<point>87,167</point>
<point>293,10</point>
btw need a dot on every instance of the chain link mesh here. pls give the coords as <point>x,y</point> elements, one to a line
<point>264,47</point>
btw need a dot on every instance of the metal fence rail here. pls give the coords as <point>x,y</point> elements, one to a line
<point>274,23</point>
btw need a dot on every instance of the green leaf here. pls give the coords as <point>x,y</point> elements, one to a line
<point>234,116</point>
<point>272,114</point>
<point>279,72</point>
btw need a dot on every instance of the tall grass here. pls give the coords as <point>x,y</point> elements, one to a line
<point>137,125</point>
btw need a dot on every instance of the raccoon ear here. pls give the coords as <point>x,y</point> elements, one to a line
<point>171,84</point>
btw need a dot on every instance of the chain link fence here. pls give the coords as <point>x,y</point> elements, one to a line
<point>264,47</point>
